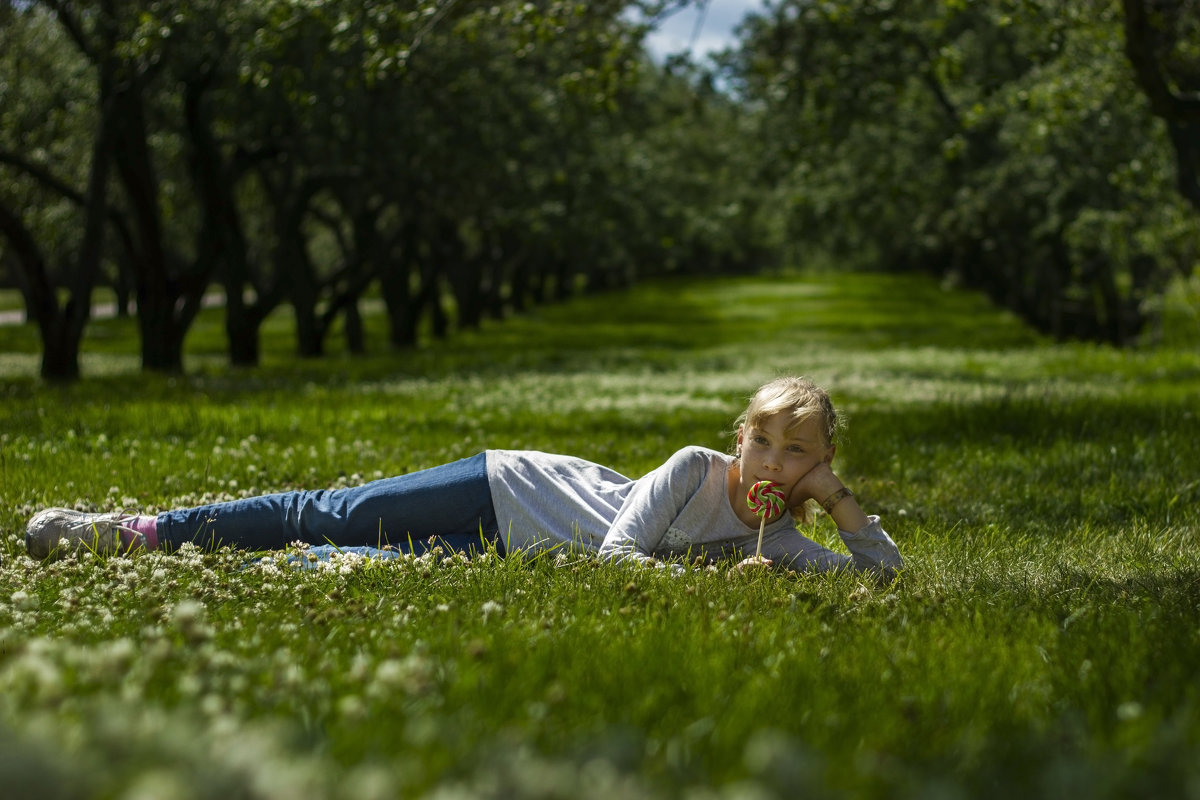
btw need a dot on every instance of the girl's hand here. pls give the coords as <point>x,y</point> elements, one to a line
<point>820,484</point>
<point>753,562</point>
<point>817,484</point>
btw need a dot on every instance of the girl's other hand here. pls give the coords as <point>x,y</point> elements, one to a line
<point>753,562</point>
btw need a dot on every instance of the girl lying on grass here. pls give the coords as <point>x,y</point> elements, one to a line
<point>694,504</point>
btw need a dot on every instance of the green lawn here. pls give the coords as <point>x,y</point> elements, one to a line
<point>1043,642</point>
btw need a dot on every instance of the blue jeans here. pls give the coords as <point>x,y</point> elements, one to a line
<point>450,505</point>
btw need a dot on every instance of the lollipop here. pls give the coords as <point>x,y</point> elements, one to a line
<point>766,500</point>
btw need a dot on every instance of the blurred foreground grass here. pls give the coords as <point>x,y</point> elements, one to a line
<point>1042,642</point>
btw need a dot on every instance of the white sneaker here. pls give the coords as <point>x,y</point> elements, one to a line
<point>55,532</point>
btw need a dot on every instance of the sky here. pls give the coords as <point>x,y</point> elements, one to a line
<point>676,32</point>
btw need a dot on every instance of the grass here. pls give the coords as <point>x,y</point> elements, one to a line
<point>1042,642</point>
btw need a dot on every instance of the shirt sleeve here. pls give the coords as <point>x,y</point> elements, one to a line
<point>871,550</point>
<point>653,504</point>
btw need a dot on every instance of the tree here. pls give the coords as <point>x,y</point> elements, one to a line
<point>467,158</point>
<point>987,143</point>
<point>1160,41</point>
<point>61,326</point>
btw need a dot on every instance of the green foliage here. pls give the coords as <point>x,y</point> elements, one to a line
<point>1005,145</point>
<point>467,159</point>
<point>44,116</point>
<point>1041,642</point>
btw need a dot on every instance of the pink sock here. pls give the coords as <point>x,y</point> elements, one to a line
<point>146,526</point>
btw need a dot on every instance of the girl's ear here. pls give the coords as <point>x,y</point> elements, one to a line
<point>741,431</point>
<point>830,453</point>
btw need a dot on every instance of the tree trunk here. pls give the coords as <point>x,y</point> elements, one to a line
<point>397,297</point>
<point>292,262</point>
<point>161,331</point>
<point>62,329</point>
<point>60,351</point>
<point>1180,110</point>
<point>60,356</point>
<point>361,262</point>
<point>462,272</point>
<point>310,337</point>
<point>564,282</point>
<point>431,298</point>
<point>222,239</point>
<point>396,269</point>
<point>356,339</point>
<point>241,329</point>
<point>518,289</point>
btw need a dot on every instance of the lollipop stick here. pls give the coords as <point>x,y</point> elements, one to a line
<point>761,525</point>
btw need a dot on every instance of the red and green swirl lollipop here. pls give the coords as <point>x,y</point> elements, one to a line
<point>765,499</point>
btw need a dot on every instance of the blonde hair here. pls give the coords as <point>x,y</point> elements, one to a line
<point>799,397</point>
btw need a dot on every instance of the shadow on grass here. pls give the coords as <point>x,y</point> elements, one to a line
<point>1041,465</point>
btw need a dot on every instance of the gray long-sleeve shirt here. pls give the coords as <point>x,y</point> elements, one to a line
<point>680,509</point>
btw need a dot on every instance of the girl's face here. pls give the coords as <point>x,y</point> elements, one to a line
<point>770,452</point>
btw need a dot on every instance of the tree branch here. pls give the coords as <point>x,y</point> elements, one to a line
<point>1165,102</point>
<point>1180,111</point>
<point>42,301</point>
<point>73,28</point>
<point>41,174</point>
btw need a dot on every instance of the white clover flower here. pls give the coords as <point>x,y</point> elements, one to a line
<point>34,673</point>
<point>189,684</point>
<point>115,656</point>
<point>158,784</point>
<point>352,707</point>
<point>188,616</point>
<point>186,611</point>
<point>360,666</point>
<point>490,608</point>
<point>348,565</point>
<point>390,672</point>
<point>412,674</point>
<point>24,601</point>
<point>212,705</point>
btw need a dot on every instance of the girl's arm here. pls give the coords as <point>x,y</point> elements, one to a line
<point>871,549</point>
<point>653,503</point>
<point>822,485</point>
